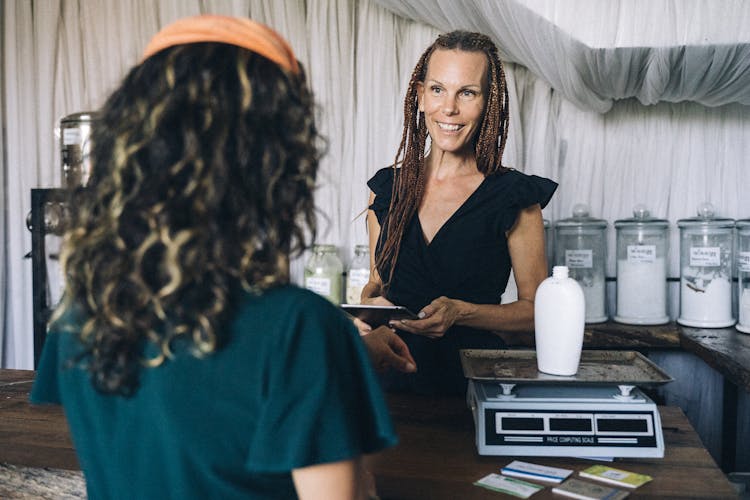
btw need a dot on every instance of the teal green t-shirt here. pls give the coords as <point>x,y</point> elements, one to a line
<point>292,387</point>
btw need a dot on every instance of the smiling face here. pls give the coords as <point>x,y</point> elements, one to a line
<point>452,98</point>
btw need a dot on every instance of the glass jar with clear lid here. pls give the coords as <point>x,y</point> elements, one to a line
<point>549,249</point>
<point>324,272</point>
<point>358,274</point>
<point>743,274</point>
<point>581,245</point>
<point>642,251</point>
<point>706,254</point>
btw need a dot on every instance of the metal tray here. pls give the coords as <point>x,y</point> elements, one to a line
<point>596,368</point>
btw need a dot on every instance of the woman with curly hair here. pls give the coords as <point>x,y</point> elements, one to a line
<point>447,223</point>
<point>187,364</point>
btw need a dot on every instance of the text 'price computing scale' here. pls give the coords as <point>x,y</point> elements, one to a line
<point>599,412</point>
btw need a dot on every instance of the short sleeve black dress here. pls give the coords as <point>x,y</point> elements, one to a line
<point>467,259</point>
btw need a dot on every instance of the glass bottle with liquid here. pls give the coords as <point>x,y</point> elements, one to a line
<point>324,272</point>
<point>706,250</point>
<point>358,274</point>
<point>642,249</point>
<point>581,246</point>
<point>743,274</point>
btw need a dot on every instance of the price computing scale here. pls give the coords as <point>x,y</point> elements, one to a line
<point>599,412</point>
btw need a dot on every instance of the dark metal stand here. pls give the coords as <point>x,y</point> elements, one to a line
<point>41,306</point>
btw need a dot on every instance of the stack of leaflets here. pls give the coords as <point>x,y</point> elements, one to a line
<point>584,490</point>
<point>508,485</point>
<point>527,470</point>
<point>617,477</point>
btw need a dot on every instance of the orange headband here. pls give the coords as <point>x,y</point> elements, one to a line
<point>241,32</point>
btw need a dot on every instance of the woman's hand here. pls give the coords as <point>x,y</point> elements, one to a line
<point>377,301</point>
<point>435,318</point>
<point>388,350</point>
<point>363,327</point>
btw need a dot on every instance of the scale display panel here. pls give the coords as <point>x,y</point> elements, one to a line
<point>572,421</point>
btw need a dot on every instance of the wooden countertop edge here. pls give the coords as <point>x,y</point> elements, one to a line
<point>727,365</point>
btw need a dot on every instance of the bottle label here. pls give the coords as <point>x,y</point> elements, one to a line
<point>321,286</point>
<point>579,259</point>
<point>641,254</point>
<point>743,262</point>
<point>705,256</point>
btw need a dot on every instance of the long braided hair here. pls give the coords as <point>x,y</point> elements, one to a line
<point>489,143</point>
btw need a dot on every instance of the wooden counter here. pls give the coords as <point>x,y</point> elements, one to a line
<point>726,350</point>
<point>31,435</point>
<point>437,458</point>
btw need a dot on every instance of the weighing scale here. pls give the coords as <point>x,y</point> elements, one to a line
<point>599,412</point>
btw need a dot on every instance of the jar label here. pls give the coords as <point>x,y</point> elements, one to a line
<point>321,286</point>
<point>705,256</point>
<point>579,259</point>
<point>743,262</point>
<point>358,277</point>
<point>71,136</point>
<point>641,254</point>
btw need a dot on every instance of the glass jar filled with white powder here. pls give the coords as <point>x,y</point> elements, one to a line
<point>581,245</point>
<point>324,272</point>
<point>642,249</point>
<point>743,274</point>
<point>549,249</point>
<point>358,274</point>
<point>706,256</point>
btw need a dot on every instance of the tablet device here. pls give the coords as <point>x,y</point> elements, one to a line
<point>376,316</point>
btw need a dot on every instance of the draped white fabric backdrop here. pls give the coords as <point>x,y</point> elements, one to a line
<point>578,114</point>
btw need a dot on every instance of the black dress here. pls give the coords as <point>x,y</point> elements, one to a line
<point>467,259</point>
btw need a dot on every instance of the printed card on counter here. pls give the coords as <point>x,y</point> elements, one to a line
<point>615,476</point>
<point>508,485</point>
<point>584,490</point>
<point>528,470</point>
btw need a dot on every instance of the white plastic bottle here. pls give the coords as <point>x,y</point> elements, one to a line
<point>559,320</point>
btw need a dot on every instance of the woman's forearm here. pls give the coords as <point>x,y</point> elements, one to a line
<point>515,316</point>
<point>370,290</point>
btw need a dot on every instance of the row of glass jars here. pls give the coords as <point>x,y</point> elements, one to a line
<point>706,258</point>
<point>324,273</point>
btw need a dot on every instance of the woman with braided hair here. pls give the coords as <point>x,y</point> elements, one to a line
<point>187,365</point>
<point>448,222</point>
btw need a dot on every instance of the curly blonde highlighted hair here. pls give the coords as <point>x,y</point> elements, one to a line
<point>204,164</point>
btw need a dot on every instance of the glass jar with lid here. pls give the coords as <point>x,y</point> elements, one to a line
<point>549,249</point>
<point>324,272</point>
<point>642,250</point>
<point>706,249</point>
<point>743,274</point>
<point>581,245</point>
<point>358,274</point>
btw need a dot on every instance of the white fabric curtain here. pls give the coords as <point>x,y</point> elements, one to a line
<point>3,206</point>
<point>654,50</point>
<point>61,57</point>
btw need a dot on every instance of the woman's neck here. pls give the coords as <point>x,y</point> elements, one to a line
<point>445,165</point>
